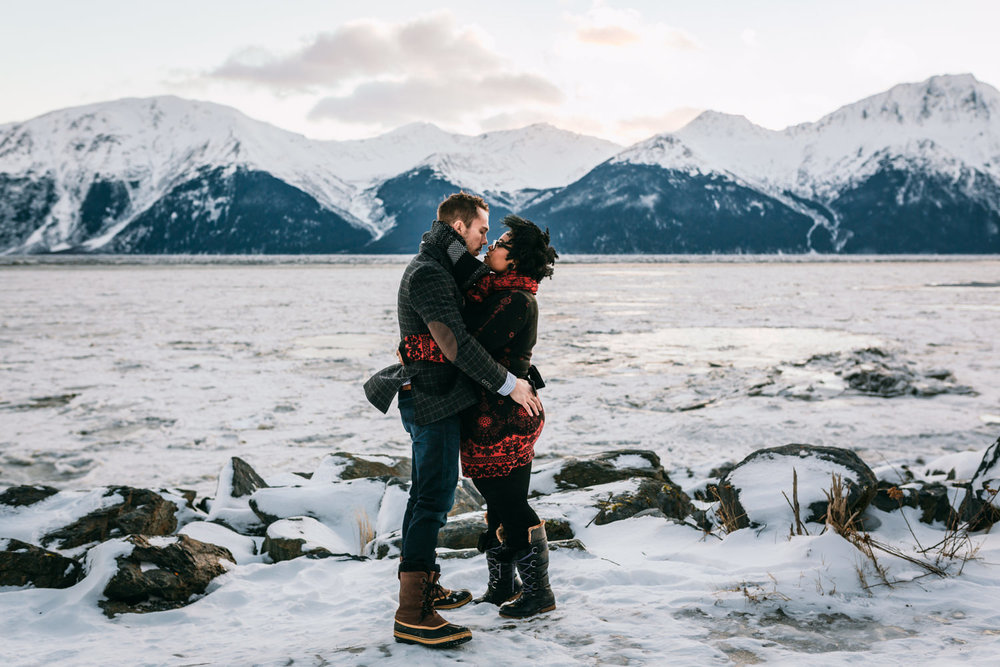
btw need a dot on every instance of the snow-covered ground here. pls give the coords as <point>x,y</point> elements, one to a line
<point>154,375</point>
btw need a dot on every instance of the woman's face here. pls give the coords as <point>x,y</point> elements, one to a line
<point>496,255</point>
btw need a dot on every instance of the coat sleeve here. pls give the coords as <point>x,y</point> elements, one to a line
<point>433,297</point>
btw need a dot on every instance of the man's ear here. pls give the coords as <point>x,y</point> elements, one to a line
<point>459,226</point>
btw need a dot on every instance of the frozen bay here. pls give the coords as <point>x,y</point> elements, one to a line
<point>155,374</point>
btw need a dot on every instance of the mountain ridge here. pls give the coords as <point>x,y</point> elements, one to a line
<point>91,178</point>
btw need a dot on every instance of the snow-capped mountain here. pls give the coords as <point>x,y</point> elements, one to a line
<point>171,175</point>
<point>914,169</point>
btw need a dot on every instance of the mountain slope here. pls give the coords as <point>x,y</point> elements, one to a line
<point>915,169</point>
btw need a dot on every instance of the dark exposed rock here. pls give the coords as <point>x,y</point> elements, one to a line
<point>141,512</point>
<point>358,466</point>
<point>462,532</point>
<point>245,479</point>
<point>608,467</point>
<point>860,488</point>
<point>721,470</point>
<point>664,496</point>
<point>930,497</point>
<point>180,570</point>
<point>19,496</point>
<point>554,545</point>
<point>876,372</point>
<point>40,402</point>
<point>558,529</point>
<point>467,498</point>
<point>980,506</point>
<point>284,548</point>
<point>22,564</point>
<point>189,497</point>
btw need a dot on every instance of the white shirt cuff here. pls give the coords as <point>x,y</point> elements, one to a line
<point>508,386</point>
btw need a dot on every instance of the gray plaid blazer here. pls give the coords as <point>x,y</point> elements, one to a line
<point>428,293</point>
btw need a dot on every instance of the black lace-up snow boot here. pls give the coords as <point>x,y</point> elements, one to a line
<point>533,566</point>
<point>503,585</point>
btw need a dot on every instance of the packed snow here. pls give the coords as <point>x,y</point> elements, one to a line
<point>154,375</point>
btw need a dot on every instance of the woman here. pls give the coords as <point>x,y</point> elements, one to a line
<point>498,435</point>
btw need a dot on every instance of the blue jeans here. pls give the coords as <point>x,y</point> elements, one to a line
<point>432,489</point>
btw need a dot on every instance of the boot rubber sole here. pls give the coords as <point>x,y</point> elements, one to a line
<point>540,611</point>
<point>432,638</point>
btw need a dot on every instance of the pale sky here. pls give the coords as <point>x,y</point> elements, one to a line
<point>619,70</point>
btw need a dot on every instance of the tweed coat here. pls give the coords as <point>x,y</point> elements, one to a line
<point>428,293</point>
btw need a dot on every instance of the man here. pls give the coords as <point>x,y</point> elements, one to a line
<point>430,397</point>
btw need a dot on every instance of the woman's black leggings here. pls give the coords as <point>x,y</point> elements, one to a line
<point>507,505</point>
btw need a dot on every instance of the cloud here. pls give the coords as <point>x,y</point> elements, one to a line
<point>607,35</point>
<point>425,46</point>
<point>377,73</point>
<point>444,100</point>
<point>604,26</point>
<point>749,37</point>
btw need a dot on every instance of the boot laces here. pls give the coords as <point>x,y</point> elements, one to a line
<point>427,599</point>
<point>494,566</point>
<point>529,576</point>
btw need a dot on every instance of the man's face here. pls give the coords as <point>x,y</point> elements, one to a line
<point>475,233</point>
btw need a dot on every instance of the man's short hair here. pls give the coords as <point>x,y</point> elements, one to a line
<point>461,206</point>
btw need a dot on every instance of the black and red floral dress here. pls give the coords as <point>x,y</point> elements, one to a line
<point>498,435</point>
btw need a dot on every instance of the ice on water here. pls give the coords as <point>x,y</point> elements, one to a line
<point>155,374</point>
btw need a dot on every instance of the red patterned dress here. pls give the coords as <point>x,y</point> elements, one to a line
<point>498,435</point>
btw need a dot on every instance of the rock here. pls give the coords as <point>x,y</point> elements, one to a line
<point>230,507</point>
<point>663,496</point>
<point>367,508</point>
<point>875,372</point>
<point>751,493</point>
<point>243,548</point>
<point>719,471</point>
<point>141,511</point>
<point>243,479</point>
<point>305,536</point>
<point>162,573</point>
<point>345,466</point>
<point>554,545</point>
<point>558,529</point>
<point>574,544</point>
<point>608,467</point>
<point>981,508</point>
<point>22,564</point>
<point>467,498</point>
<point>462,532</point>
<point>19,496</point>
<point>930,497</point>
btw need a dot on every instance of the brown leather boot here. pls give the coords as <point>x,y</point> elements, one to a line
<point>416,622</point>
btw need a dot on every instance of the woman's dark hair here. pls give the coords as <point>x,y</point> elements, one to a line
<point>529,248</point>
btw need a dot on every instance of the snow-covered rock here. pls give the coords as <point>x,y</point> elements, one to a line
<point>304,536</point>
<point>759,491</point>
<point>981,507</point>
